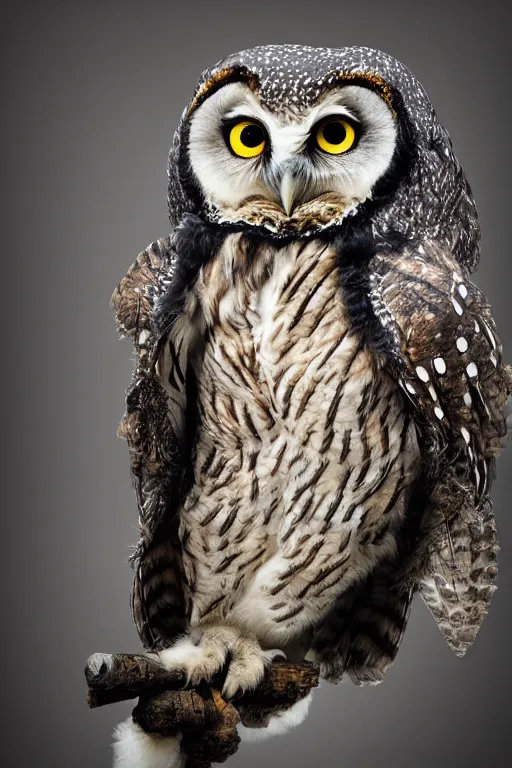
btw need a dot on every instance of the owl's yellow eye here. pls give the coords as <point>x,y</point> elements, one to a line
<point>336,136</point>
<point>247,139</point>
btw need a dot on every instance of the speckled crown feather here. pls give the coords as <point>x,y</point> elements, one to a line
<point>435,201</point>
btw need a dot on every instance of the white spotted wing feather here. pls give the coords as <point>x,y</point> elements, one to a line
<point>447,357</point>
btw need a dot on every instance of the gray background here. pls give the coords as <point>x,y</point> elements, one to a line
<point>92,97</point>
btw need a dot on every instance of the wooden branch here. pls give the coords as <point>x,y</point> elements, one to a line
<point>118,676</point>
<point>206,721</point>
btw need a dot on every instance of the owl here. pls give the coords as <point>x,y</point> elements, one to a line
<point>319,394</point>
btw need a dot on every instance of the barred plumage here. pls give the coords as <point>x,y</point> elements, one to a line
<point>297,414</point>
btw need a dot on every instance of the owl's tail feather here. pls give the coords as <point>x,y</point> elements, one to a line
<point>134,748</point>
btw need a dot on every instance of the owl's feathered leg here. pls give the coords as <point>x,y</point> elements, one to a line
<point>134,748</point>
<point>203,654</point>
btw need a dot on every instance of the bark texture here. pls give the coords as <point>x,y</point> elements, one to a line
<point>207,722</point>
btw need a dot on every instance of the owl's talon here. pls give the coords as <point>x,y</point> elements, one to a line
<point>202,655</point>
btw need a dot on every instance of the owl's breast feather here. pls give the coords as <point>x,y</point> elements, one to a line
<point>303,450</point>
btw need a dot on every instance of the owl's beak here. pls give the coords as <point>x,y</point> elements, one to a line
<point>288,191</point>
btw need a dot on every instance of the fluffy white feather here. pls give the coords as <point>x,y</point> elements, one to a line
<point>280,723</point>
<point>134,748</point>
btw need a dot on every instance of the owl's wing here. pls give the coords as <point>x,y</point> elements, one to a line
<point>434,332</point>
<point>444,350</point>
<point>159,445</point>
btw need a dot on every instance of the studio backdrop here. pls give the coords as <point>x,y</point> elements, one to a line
<point>93,93</point>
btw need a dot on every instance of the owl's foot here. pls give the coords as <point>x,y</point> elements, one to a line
<point>203,654</point>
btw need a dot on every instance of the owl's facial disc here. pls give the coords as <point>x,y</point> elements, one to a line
<point>283,171</point>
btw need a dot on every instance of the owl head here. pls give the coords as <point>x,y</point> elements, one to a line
<point>292,141</point>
